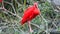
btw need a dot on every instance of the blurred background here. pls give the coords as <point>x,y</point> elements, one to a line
<point>48,22</point>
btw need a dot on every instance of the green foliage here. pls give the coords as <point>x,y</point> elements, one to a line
<point>14,11</point>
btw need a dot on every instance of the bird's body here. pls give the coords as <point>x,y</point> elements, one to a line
<point>30,13</point>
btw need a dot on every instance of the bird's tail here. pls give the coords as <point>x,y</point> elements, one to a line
<point>22,21</point>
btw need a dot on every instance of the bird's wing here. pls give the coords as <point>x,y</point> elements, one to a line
<point>34,13</point>
<point>27,14</point>
<point>29,9</point>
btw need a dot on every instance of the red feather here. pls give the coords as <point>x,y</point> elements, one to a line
<point>1,1</point>
<point>30,13</point>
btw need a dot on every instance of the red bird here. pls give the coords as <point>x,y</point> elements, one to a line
<point>30,13</point>
<point>1,1</point>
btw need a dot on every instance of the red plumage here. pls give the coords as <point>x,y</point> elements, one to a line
<point>30,13</point>
<point>1,1</point>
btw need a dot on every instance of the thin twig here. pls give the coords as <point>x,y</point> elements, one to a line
<point>11,12</point>
<point>11,5</point>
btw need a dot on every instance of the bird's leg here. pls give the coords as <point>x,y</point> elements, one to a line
<point>30,29</point>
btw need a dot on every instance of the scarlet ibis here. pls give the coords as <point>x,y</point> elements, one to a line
<point>30,13</point>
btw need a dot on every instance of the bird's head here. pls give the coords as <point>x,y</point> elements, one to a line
<point>36,4</point>
<point>36,11</point>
